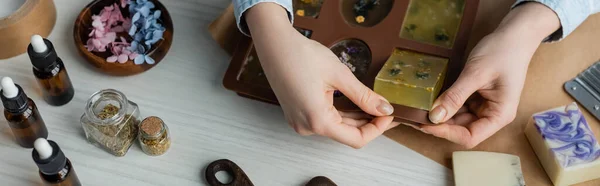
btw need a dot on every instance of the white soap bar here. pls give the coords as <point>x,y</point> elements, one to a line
<point>472,168</point>
<point>565,145</point>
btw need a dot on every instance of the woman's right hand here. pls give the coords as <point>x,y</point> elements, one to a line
<point>304,75</point>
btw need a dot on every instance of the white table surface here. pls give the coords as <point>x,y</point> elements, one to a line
<point>207,122</point>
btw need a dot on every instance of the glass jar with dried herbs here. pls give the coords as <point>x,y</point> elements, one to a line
<point>154,136</point>
<point>111,121</point>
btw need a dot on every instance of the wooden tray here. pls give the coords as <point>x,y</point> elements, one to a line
<point>331,27</point>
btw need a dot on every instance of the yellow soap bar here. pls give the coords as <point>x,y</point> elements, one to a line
<point>433,21</point>
<point>411,79</point>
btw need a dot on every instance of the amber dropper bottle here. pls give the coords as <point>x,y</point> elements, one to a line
<point>55,167</point>
<point>22,114</point>
<point>50,72</point>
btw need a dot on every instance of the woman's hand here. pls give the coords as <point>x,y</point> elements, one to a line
<point>486,95</point>
<point>304,75</point>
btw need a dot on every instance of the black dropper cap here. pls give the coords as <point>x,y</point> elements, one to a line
<point>17,104</point>
<point>45,59</point>
<point>53,164</point>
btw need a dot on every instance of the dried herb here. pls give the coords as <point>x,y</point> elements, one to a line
<point>423,73</point>
<point>411,27</point>
<point>154,137</point>
<point>424,63</point>
<point>395,71</point>
<point>108,112</point>
<point>155,147</point>
<point>441,35</point>
<point>115,138</point>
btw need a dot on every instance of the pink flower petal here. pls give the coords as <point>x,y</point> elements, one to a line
<point>89,45</point>
<point>96,43</point>
<point>133,55</point>
<point>123,58</point>
<point>99,34</point>
<point>112,59</point>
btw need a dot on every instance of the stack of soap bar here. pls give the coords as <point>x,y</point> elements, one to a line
<point>565,145</point>
<point>487,168</point>
<point>411,79</point>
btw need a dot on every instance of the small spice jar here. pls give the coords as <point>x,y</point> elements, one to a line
<point>110,121</point>
<point>154,136</point>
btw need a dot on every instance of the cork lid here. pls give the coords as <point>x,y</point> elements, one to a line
<point>152,126</point>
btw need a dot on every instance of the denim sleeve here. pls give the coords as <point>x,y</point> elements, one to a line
<point>571,14</point>
<point>240,6</point>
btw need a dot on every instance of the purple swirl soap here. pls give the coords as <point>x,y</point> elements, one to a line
<point>565,145</point>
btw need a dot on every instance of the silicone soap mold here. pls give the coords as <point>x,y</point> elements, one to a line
<point>365,47</point>
<point>565,145</point>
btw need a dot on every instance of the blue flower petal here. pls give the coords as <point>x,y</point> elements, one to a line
<point>156,25</point>
<point>139,59</point>
<point>157,14</point>
<point>135,17</point>
<point>141,1</point>
<point>132,30</point>
<point>134,45</point>
<point>141,49</point>
<point>150,5</point>
<point>144,10</point>
<point>147,24</point>
<point>158,34</point>
<point>149,60</point>
<point>138,37</point>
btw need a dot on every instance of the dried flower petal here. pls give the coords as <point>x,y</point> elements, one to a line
<point>111,59</point>
<point>157,14</point>
<point>123,58</point>
<point>133,55</point>
<point>149,60</point>
<point>139,60</point>
<point>132,30</point>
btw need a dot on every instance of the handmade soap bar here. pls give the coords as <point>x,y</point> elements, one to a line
<point>565,145</point>
<point>433,21</point>
<point>411,79</point>
<point>487,168</point>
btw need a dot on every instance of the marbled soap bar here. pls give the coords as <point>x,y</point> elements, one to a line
<point>565,145</point>
<point>411,79</point>
<point>472,168</point>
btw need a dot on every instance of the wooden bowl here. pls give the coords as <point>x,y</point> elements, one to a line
<point>83,26</point>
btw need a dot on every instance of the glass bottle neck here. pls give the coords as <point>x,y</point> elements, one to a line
<point>107,107</point>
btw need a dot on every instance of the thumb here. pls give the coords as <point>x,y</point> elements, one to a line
<point>365,98</point>
<point>455,97</point>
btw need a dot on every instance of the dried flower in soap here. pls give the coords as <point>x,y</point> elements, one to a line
<point>300,12</point>
<point>441,35</point>
<point>423,73</point>
<point>154,136</point>
<point>360,19</point>
<point>395,71</point>
<point>361,7</point>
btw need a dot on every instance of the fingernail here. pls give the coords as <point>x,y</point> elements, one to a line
<point>385,108</point>
<point>437,114</point>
